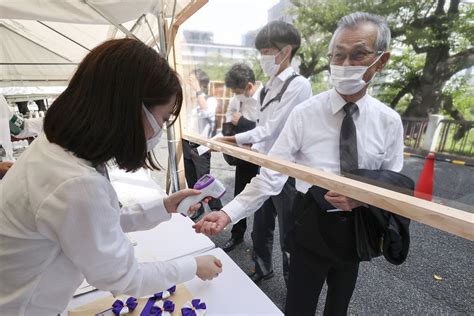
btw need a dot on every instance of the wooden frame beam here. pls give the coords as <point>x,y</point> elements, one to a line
<point>451,220</point>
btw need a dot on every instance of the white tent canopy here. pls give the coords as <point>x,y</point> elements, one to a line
<point>42,41</point>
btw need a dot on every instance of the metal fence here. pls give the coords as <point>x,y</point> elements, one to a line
<point>456,137</point>
<point>414,129</point>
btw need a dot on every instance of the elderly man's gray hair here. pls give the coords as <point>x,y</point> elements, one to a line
<point>354,19</point>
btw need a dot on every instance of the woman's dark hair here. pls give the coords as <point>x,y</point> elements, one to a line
<point>238,76</point>
<point>202,78</point>
<point>99,115</point>
<point>278,34</point>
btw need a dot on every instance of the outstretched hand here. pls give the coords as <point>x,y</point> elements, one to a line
<point>212,224</point>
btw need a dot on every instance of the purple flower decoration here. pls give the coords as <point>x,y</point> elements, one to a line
<point>165,294</point>
<point>194,308</point>
<point>119,307</point>
<point>162,308</point>
<point>131,303</point>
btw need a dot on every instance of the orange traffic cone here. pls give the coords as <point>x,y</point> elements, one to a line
<point>424,187</point>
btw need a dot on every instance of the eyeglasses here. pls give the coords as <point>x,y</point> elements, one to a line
<point>355,56</point>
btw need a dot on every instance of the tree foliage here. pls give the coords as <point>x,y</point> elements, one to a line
<point>431,43</point>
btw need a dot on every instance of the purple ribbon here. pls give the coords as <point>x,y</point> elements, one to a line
<point>131,303</point>
<point>159,295</point>
<point>168,306</point>
<point>151,301</point>
<point>118,305</point>
<point>196,305</point>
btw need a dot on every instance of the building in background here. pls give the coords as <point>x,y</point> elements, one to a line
<point>199,48</point>
<point>281,11</point>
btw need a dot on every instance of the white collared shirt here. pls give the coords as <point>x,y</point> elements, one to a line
<point>202,121</point>
<point>273,118</point>
<point>60,222</point>
<point>311,138</point>
<point>250,108</point>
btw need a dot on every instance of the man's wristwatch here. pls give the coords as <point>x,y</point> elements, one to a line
<point>198,93</point>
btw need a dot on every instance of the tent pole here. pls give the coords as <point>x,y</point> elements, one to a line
<point>137,22</point>
<point>169,39</point>
<point>158,47</point>
<point>117,25</point>
<point>170,132</point>
<point>66,37</point>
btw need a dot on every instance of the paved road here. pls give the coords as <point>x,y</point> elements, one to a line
<point>453,184</point>
<point>384,288</point>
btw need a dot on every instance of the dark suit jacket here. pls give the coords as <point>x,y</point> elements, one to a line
<point>228,129</point>
<point>379,230</point>
<point>359,235</point>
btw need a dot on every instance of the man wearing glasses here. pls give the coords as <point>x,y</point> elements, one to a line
<point>335,131</point>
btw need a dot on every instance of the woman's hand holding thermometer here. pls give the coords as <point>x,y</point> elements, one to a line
<point>208,186</point>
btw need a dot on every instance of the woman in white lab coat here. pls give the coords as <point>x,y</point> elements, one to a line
<point>60,219</point>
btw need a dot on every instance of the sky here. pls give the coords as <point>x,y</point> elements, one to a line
<point>230,19</point>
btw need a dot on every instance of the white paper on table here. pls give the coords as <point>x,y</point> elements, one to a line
<point>232,283</point>
<point>170,240</point>
<point>203,149</point>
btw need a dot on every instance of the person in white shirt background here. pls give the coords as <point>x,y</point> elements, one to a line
<point>60,219</point>
<point>202,121</point>
<point>5,134</point>
<point>204,113</point>
<point>311,137</point>
<point>242,113</point>
<point>13,125</point>
<point>277,43</point>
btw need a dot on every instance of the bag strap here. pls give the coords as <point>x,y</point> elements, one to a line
<point>279,95</point>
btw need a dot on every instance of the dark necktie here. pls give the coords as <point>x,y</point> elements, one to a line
<point>348,140</point>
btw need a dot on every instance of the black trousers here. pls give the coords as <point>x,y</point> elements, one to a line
<point>308,272</point>
<point>243,175</point>
<point>264,226</point>
<point>196,166</point>
<point>329,257</point>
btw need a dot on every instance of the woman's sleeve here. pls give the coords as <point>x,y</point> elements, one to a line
<point>83,217</point>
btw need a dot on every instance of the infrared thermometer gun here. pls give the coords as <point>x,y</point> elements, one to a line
<point>209,186</point>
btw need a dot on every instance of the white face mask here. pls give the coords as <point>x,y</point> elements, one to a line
<point>269,65</point>
<point>348,79</point>
<point>158,131</point>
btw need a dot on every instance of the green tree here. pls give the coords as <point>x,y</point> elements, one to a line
<point>433,41</point>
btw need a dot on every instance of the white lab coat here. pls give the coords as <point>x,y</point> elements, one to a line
<point>60,222</point>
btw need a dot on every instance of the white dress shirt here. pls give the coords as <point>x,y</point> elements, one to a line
<point>60,222</point>
<point>202,121</point>
<point>273,118</point>
<point>311,138</point>
<point>250,108</point>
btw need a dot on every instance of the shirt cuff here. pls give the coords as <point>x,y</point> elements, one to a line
<point>235,210</point>
<point>155,211</point>
<point>187,268</point>
<point>243,138</point>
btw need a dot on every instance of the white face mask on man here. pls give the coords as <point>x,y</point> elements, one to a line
<point>269,65</point>
<point>347,80</point>
<point>157,130</point>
